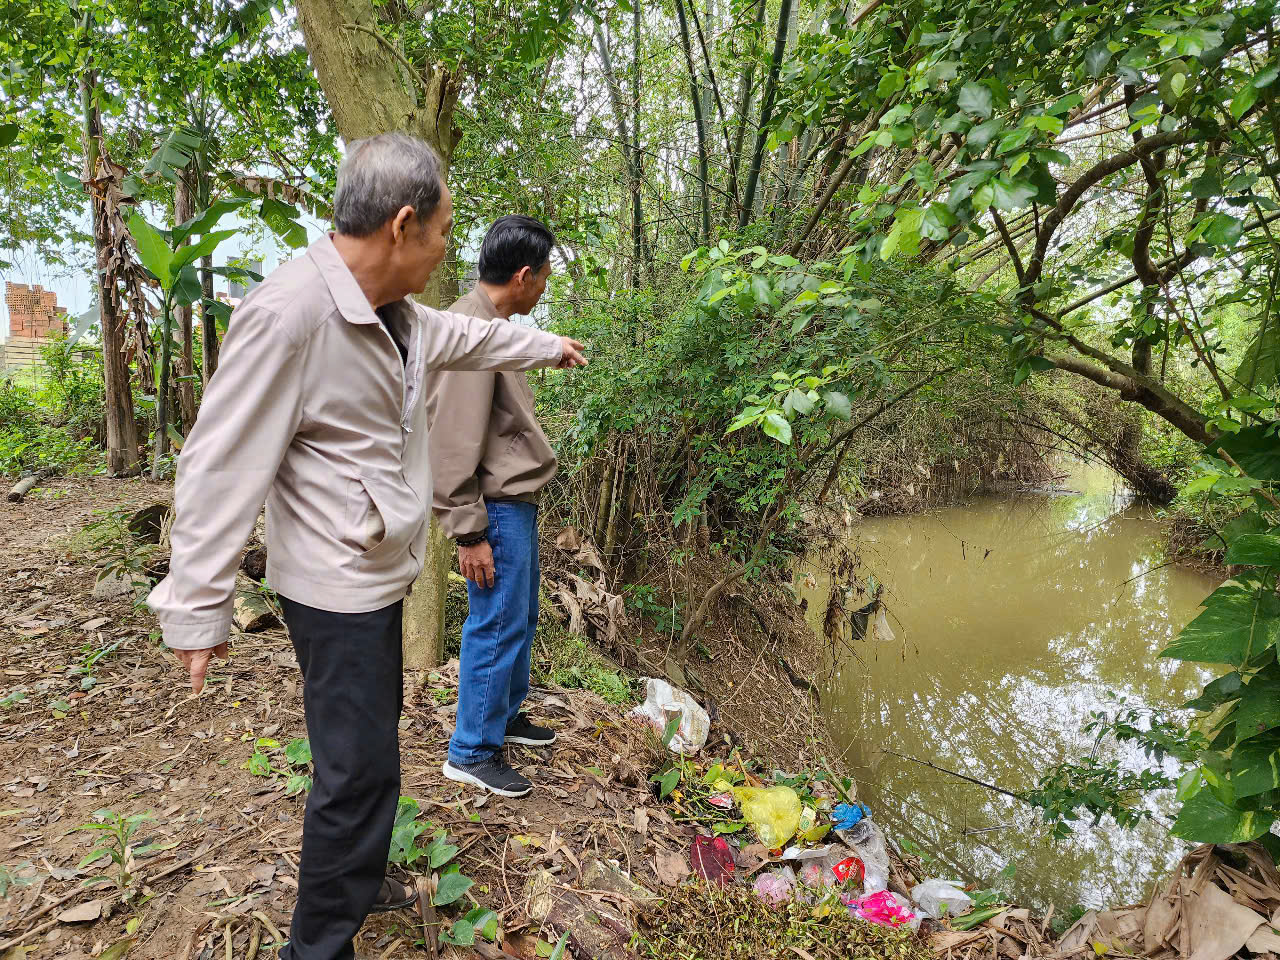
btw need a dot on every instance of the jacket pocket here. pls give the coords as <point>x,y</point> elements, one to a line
<point>384,517</point>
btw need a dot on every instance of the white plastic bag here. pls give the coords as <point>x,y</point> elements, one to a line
<point>662,703</point>
<point>933,896</point>
<point>866,839</point>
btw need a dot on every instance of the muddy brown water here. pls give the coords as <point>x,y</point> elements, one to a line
<point>1012,619</point>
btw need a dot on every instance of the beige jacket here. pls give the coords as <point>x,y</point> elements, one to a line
<point>313,409</point>
<point>486,442</point>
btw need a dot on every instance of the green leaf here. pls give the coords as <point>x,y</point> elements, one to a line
<point>1259,708</point>
<point>280,217</point>
<point>187,289</point>
<point>205,220</point>
<point>891,83</point>
<point>1245,98</point>
<point>1226,688</point>
<point>559,952</point>
<point>1206,819</point>
<point>1011,194</point>
<point>1256,449</point>
<point>441,853</point>
<point>298,752</point>
<point>670,731</point>
<point>1189,785</point>
<point>452,887</point>
<point>1223,230</point>
<point>296,784</point>
<point>938,221</point>
<point>1023,371</point>
<point>838,403</point>
<point>1255,549</point>
<point>975,98</point>
<point>205,245</point>
<point>670,780</point>
<point>153,252</point>
<point>1096,58</point>
<point>461,934</point>
<point>1238,622</point>
<point>1260,367</point>
<point>797,401</point>
<point>1255,766</point>
<point>761,290</point>
<point>9,133</point>
<point>775,425</point>
<point>484,921</point>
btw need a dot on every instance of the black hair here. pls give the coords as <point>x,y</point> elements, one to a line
<point>514,241</point>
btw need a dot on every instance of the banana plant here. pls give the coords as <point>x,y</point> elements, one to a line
<point>173,266</point>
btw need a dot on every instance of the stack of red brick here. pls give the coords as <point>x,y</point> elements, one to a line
<point>33,311</point>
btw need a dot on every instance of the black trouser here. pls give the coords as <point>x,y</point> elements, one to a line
<point>352,694</point>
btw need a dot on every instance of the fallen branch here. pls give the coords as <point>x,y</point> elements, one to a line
<point>24,486</point>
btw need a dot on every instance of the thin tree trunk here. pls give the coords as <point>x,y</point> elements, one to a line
<point>182,212</point>
<point>209,345</point>
<point>605,499</point>
<point>745,92</point>
<point>630,155</point>
<point>766,114</point>
<point>697,120</point>
<point>121,428</point>
<point>715,91</point>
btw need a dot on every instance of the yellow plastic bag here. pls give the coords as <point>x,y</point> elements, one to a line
<point>774,812</point>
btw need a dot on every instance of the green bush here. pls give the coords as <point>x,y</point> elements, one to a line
<point>29,441</point>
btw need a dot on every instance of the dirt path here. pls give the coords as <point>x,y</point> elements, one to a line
<point>124,735</point>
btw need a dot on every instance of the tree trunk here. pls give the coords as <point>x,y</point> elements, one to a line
<point>209,345</point>
<point>122,430</point>
<point>372,90</point>
<point>182,212</point>
<point>766,113</point>
<point>698,121</point>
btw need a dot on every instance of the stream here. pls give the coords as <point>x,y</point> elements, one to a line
<point>1011,619</point>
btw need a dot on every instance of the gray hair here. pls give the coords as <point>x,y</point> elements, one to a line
<point>381,174</point>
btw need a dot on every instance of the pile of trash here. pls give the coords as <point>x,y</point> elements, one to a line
<point>792,837</point>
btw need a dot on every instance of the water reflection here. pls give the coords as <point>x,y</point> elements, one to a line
<point>1013,619</point>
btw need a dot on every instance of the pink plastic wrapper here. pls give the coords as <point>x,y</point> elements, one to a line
<point>774,888</point>
<point>882,908</point>
<point>722,800</point>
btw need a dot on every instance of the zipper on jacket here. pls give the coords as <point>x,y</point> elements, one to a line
<point>404,375</point>
<point>411,389</point>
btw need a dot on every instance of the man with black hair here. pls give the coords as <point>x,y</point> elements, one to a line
<point>490,460</point>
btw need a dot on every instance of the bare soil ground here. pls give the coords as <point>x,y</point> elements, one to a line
<point>220,873</point>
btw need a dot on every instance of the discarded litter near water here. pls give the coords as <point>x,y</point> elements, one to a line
<point>723,801</point>
<point>712,859</point>
<point>846,815</point>
<point>883,907</point>
<point>774,812</point>
<point>663,703</point>
<point>776,887</point>
<point>936,897</point>
<point>866,839</point>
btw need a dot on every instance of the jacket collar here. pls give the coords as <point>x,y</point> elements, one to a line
<point>343,288</point>
<point>481,305</point>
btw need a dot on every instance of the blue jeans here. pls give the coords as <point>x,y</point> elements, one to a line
<point>497,639</point>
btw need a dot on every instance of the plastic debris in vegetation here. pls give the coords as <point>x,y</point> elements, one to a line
<point>663,703</point>
<point>814,853</point>
<point>774,812</point>
<point>712,859</point>
<point>936,898</point>
<point>850,868</point>
<point>846,815</point>
<point>884,907</point>
<point>776,887</point>
<point>721,801</point>
<point>866,839</point>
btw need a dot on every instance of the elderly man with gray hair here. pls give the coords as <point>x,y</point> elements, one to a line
<point>317,408</point>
